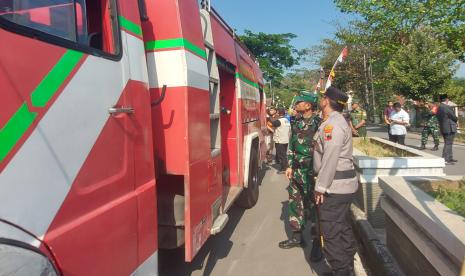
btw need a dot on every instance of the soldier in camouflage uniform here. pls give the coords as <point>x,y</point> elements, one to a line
<point>300,171</point>
<point>358,118</point>
<point>431,126</point>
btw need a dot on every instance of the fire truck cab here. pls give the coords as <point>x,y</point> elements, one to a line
<point>127,126</point>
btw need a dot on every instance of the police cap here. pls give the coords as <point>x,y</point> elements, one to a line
<point>336,95</point>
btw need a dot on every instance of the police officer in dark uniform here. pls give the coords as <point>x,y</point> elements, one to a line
<point>336,182</point>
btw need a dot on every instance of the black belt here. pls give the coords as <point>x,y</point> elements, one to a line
<point>345,174</point>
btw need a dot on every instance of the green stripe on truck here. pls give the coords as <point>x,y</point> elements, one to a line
<point>55,78</point>
<point>130,26</point>
<point>175,43</point>
<point>14,129</point>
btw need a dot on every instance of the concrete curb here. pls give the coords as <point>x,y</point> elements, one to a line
<point>378,257</point>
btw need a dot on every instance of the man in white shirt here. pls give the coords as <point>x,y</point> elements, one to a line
<point>282,130</point>
<point>399,120</point>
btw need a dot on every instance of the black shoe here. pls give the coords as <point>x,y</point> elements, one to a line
<point>453,160</point>
<point>344,272</point>
<point>295,241</point>
<point>436,147</point>
<point>422,147</point>
<point>450,163</point>
<point>316,254</point>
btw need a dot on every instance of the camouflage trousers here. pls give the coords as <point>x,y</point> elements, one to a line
<point>300,199</point>
<point>362,132</point>
<point>427,130</point>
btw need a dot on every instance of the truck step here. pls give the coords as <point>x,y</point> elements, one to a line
<point>219,224</point>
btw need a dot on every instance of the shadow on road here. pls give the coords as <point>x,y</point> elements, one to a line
<point>171,262</point>
<point>317,268</point>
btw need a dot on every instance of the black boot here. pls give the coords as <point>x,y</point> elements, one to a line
<point>436,147</point>
<point>294,241</point>
<point>316,254</point>
<point>423,146</point>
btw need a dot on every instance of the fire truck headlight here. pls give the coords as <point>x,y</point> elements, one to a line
<point>17,258</point>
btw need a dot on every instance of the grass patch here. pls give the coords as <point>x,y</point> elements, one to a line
<point>453,198</point>
<point>374,149</point>
<point>460,137</point>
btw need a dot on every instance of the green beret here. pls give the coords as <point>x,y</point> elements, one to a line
<point>306,96</point>
<point>355,100</point>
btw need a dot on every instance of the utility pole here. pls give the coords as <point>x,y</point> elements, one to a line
<point>365,70</point>
<point>370,66</point>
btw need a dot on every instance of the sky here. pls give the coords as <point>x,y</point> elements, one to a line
<point>310,20</point>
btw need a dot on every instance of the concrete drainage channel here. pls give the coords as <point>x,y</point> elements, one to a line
<point>372,248</point>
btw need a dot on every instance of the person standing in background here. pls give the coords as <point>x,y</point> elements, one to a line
<point>387,113</point>
<point>271,116</point>
<point>448,127</point>
<point>430,126</point>
<point>399,120</point>
<point>282,131</point>
<point>358,118</point>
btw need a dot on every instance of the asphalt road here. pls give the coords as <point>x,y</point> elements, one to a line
<point>249,243</point>
<point>413,140</point>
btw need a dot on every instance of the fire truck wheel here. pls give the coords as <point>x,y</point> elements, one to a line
<point>249,195</point>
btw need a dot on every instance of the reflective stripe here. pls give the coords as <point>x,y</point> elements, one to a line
<point>14,129</point>
<point>130,26</point>
<point>247,91</point>
<point>175,43</point>
<point>135,57</point>
<point>169,68</point>
<point>246,80</point>
<point>55,78</point>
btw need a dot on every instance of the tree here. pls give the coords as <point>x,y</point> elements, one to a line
<point>456,91</point>
<point>273,51</point>
<point>395,20</point>
<point>422,68</point>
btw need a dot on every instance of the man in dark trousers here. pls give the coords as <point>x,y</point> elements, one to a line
<point>448,127</point>
<point>336,183</point>
<point>282,131</point>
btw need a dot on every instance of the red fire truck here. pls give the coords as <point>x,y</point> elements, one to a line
<point>126,127</point>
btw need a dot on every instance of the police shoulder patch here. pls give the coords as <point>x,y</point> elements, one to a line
<point>328,132</point>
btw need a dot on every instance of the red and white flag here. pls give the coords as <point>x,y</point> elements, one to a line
<point>332,74</point>
<point>343,55</point>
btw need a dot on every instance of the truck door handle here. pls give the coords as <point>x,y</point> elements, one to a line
<point>117,110</point>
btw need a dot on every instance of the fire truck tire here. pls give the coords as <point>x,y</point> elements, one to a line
<point>249,196</point>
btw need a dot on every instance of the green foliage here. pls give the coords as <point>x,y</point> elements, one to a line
<point>397,19</point>
<point>273,51</point>
<point>456,91</point>
<point>423,67</point>
<point>453,199</point>
<point>292,83</point>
